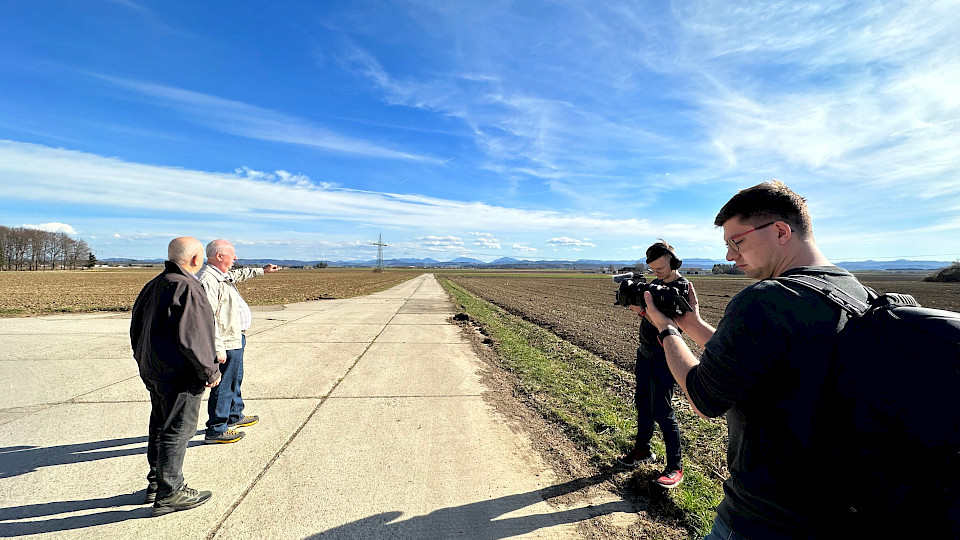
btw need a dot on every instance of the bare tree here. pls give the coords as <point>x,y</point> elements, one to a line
<point>4,249</point>
<point>32,249</point>
<point>78,254</point>
<point>18,248</point>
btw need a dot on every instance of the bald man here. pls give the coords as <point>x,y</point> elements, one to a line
<point>172,335</point>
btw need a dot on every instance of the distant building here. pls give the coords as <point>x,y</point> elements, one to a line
<point>694,271</point>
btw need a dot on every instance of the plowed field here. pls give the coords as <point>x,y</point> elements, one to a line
<point>115,289</point>
<point>579,307</point>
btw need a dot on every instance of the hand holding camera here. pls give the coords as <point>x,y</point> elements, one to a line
<point>671,301</point>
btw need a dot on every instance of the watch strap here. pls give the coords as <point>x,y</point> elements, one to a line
<point>668,331</point>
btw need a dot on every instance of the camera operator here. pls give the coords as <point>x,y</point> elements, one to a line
<point>654,380</point>
<point>766,366</point>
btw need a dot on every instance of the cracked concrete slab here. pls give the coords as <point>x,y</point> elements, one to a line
<point>373,425</point>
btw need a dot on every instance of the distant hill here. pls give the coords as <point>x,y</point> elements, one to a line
<point>900,265</point>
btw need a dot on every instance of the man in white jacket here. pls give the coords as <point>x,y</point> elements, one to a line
<point>233,318</point>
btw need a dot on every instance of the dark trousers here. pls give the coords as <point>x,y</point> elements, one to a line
<point>653,401</point>
<point>225,405</point>
<point>173,422</point>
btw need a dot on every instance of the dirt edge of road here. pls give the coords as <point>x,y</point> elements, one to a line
<point>568,462</point>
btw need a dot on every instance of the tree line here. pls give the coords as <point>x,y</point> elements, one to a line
<point>727,269</point>
<point>32,249</point>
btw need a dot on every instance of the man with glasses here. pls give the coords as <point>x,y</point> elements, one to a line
<point>766,367</point>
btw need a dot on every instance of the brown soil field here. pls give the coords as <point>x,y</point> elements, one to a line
<point>579,307</point>
<point>115,289</point>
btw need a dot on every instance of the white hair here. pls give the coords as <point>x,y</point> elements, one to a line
<point>217,247</point>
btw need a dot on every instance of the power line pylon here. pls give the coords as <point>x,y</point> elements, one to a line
<point>380,245</point>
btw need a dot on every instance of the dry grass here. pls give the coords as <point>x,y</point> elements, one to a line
<point>115,289</point>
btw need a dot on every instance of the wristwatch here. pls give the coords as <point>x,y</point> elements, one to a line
<point>668,331</point>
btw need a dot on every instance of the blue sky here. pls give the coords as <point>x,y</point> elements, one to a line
<point>538,130</point>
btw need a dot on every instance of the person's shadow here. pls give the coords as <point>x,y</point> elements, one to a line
<point>23,528</point>
<point>480,520</point>
<point>17,460</point>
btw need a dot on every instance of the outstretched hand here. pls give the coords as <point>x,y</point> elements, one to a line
<point>267,269</point>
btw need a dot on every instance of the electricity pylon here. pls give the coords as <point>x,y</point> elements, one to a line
<point>380,245</point>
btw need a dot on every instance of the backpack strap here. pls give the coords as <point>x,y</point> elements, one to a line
<point>853,306</point>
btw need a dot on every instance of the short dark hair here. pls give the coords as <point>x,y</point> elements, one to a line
<point>660,249</point>
<point>766,202</point>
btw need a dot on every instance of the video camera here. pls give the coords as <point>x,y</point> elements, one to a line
<point>671,301</point>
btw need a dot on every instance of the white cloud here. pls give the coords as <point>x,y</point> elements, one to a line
<point>52,227</point>
<point>568,242</point>
<point>524,249</point>
<point>283,177</point>
<point>440,241</point>
<point>487,243</point>
<point>37,173</point>
<point>485,240</point>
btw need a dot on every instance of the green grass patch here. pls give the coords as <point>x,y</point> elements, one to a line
<point>574,388</point>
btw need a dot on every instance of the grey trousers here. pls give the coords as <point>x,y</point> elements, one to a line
<point>173,422</point>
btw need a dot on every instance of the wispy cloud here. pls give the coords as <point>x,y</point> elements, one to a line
<point>865,93</point>
<point>238,118</point>
<point>521,133</point>
<point>825,94</point>
<point>37,173</point>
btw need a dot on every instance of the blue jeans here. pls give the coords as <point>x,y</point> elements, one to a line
<point>173,422</point>
<point>225,405</point>
<point>721,531</point>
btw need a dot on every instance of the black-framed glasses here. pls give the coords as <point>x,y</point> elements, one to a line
<point>735,246</point>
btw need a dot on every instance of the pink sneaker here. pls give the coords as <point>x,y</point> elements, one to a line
<point>670,478</point>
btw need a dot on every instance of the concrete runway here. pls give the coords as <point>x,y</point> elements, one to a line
<point>372,425</point>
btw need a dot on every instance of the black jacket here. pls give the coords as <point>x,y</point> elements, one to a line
<point>172,331</point>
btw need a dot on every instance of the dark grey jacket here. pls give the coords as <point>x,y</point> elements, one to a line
<point>172,331</point>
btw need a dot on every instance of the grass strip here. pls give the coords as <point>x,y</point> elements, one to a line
<point>572,387</point>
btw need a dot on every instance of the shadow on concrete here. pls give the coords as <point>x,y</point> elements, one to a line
<point>479,521</point>
<point>31,511</point>
<point>17,460</point>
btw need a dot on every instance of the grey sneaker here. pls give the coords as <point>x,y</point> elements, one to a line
<point>244,422</point>
<point>228,436</point>
<point>182,499</point>
<point>151,494</point>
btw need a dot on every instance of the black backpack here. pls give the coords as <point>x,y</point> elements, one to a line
<point>895,388</point>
